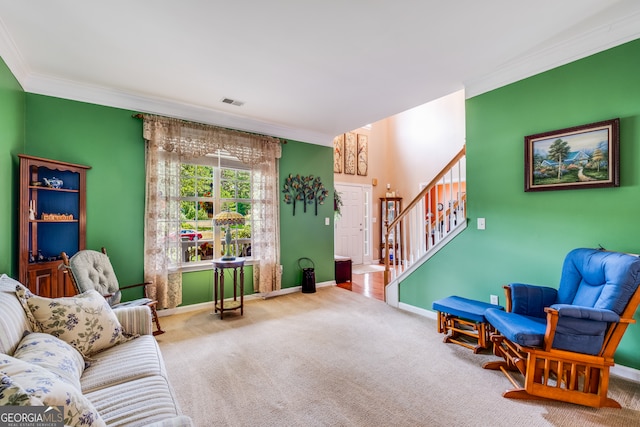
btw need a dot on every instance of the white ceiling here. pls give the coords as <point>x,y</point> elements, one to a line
<point>305,69</point>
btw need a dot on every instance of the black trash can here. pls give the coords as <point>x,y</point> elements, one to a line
<point>308,275</point>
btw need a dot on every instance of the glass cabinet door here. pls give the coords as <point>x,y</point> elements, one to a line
<point>390,208</point>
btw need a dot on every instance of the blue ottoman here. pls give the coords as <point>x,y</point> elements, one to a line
<point>461,317</point>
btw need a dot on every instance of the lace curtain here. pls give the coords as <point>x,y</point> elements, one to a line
<point>169,142</point>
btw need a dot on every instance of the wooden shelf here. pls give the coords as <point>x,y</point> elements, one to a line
<point>64,190</point>
<point>38,236</point>
<point>51,220</point>
<point>229,305</point>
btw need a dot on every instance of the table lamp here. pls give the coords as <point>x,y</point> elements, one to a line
<point>228,219</point>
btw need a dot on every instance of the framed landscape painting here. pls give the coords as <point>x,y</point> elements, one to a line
<point>584,156</point>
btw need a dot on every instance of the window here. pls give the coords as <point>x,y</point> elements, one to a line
<point>169,140</point>
<point>206,190</point>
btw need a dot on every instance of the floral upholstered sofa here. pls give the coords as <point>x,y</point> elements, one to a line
<point>102,365</point>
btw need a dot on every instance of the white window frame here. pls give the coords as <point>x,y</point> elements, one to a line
<point>218,162</point>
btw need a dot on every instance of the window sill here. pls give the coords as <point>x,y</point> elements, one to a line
<point>207,265</point>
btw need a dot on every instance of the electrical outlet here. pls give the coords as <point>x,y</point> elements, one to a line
<point>494,299</point>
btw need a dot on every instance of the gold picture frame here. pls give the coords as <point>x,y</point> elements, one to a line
<point>350,153</point>
<point>338,153</point>
<point>586,156</point>
<point>363,155</point>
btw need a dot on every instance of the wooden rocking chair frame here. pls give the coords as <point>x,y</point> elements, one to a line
<point>562,375</point>
<point>152,304</point>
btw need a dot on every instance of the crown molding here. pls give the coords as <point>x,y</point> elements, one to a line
<point>600,38</point>
<point>11,55</point>
<point>93,94</point>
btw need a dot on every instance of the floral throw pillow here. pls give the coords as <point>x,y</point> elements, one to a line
<point>50,390</point>
<point>53,354</point>
<point>23,293</point>
<point>11,394</point>
<point>85,321</point>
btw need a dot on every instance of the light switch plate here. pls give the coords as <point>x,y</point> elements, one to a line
<point>481,224</point>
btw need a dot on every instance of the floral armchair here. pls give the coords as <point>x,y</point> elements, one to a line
<point>93,270</point>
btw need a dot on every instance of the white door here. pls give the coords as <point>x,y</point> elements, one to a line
<point>349,231</point>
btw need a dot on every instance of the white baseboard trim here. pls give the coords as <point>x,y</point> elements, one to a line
<point>621,371</point>
<point>209,304</point>
<point>185,309</point>
<point>626,372</point>
<point>417,310</point>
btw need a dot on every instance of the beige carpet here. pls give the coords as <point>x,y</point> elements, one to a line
<point>336,358</point>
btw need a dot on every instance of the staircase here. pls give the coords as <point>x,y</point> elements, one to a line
<point>431,220</point>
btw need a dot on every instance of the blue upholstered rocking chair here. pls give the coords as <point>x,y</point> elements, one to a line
<point>563,340</point>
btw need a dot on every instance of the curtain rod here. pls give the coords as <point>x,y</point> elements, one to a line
<point>282,141</point>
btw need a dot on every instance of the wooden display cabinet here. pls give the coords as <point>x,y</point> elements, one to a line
<point>52,219</point>
<point>390,208</point>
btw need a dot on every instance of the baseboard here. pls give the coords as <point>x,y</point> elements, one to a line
<point>625,372</point>
<point>417,310</point>
<point>185,309</point>
<point>209,304</point>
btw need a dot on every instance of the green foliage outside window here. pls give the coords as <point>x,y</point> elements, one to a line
<point>201,201</point>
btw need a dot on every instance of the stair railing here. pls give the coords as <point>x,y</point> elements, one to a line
<point>432,216</point>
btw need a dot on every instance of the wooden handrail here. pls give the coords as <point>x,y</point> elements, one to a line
<point>449,210</point>
<point>412,204</point>
<point>427,188</point>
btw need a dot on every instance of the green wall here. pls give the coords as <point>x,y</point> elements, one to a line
<point>12,137</point>
<point>110,141</point>
<point>305,234</point>
<point>528,234</point>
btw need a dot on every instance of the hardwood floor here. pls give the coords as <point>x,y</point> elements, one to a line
<point>367,284</point>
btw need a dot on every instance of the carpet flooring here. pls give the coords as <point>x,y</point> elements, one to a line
<point>336,358</point>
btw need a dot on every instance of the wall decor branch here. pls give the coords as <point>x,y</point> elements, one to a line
<point>306,189</point>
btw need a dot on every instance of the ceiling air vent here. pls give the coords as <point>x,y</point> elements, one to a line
<point>233,102</point>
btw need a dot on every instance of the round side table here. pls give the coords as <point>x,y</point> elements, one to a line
<point>219,267</point>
